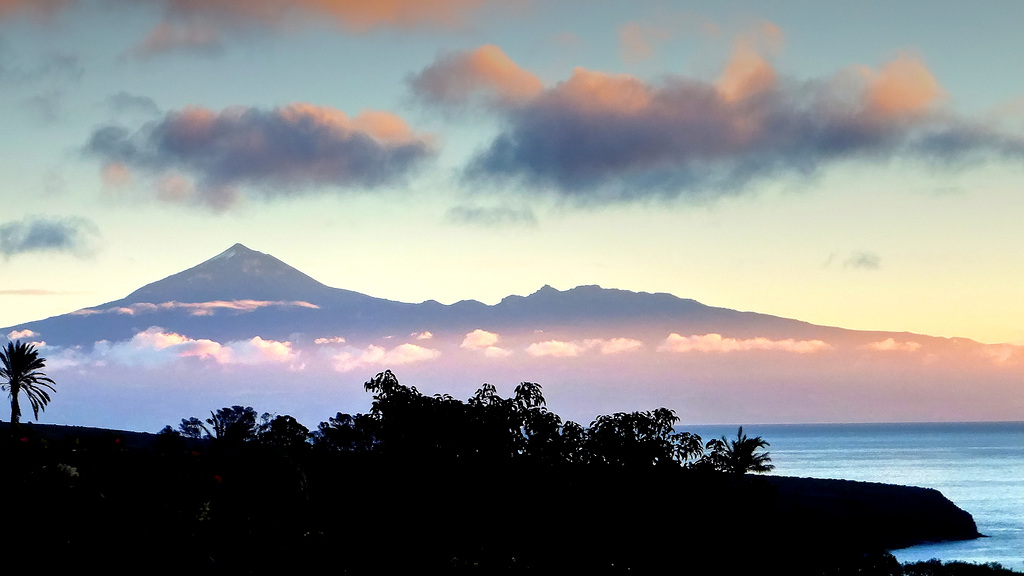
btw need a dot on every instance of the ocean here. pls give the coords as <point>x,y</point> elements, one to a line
<point>977,465</point>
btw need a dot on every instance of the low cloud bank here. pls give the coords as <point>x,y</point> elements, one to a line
<point>715,343</point>
<point>196,308</point>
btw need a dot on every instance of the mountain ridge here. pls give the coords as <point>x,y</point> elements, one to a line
<point>244,327</point>
<point>241,292</point>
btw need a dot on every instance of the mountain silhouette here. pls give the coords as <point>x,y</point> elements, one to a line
<point>238,273</point>
<point>252,329</point>
<point>241,293</point>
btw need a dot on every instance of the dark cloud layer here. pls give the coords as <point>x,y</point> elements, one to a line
<point>41,234</point>
<point>599,137</point>
<point>205,157</point>
<point>125,103</point>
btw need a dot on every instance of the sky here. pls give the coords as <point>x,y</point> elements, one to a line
<point>848,164</point>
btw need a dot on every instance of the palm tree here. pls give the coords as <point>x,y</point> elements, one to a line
<point>21,366</point>
<point>741,455</point>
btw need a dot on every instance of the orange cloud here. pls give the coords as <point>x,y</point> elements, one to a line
<point>600,137</point>
<point>175,188</point>
<point>167,36</point>
<point>903,87</point>
<point>716,343</point>
<point>487,70</point>
<point>39,8</point>
<point>637,41</point>
<point>116,175</point>
<point>351,15</point>
<point>747,72</point>
<point>597,92</point>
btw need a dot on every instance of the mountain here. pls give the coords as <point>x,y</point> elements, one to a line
<point>246,328</point>
<point>241,292</point>
<point>237,273</point>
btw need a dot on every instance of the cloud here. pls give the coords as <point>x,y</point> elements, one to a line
<point>601,138</point>
<point>196,308</point>
<point>556,348</point>
<point>116,175</point>
<point>891,345</point>
<point>619,345</point>
<point>903,87</point>
<point>1004,353</point>
<point>479,339</point>
<point>485,342</point>
<point>51,66</point>
<point>204,157</point>
<point>199,26</point>
<point>37,8</point>
<point>491,216</point>
<point>350,15</point>
<point>256,350</point>
<point>637,41</point>
<point>33,234</point>
<point>425,335</point>
<point>196,38</point>
<point>46,106</point>
<point>564,349</point>
<point>496,352</point>
<point>748,73</point>
<point>18,334</point>
<point>332,340</point>
<point>125,102</point>
<point>487,71</point>
<point>155,347</point>
<point>864,260</point>
<point>354,358</point>
<point>716,343</point>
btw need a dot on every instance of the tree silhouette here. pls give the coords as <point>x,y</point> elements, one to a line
<point>233,425</point>
<point>741,455</point>
<point>21,366</point>
<point>230,425</point>
<point>347,433</point>
<point>285,432</point>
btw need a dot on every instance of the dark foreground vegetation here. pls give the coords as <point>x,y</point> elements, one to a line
<point>432,484</point>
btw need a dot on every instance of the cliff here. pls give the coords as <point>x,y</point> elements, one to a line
<point>869,515</point>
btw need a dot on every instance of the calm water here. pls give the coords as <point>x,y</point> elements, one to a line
<point>979,466</point>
